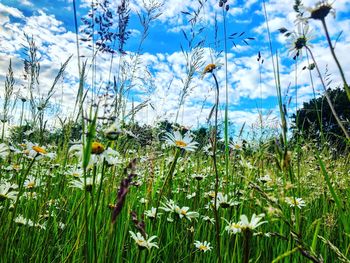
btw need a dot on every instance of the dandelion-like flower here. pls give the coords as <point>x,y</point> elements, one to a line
<point>143,242</point>
<point>184,142</point>
<point>203,246</point>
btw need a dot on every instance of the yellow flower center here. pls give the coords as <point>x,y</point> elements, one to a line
<point>38,149</point>
<point>209,68</point>
<point>31,185</point>
<point>97,148</point>
<point>180,144</point>
<point>183,212</point>
<point>202,247</point>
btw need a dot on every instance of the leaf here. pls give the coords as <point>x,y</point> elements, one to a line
<point>283,30</point>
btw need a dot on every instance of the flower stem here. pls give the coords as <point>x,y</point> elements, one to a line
<point>168,179</point>
<point>327,96</point>
<point>214,144</point>
<point>346,87</point>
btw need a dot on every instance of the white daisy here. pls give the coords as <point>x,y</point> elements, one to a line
<point>184,142</point>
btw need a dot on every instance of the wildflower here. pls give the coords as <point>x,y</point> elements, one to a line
<point>184,213</point>
<point>7,191</point>
<point>190,196</point>
<point>209,68</point>
<point>300,40</point>
<point>208,219</point>
<point>32,182</point>
<point>39,149</point>
<point>198,177</point>
<point>236,145</point>
<point>233,228</point>
<point>111,156</point>
<point>202,246</point>
<point>321,10</point>
<point>4,150</point>
<point>113,131</point>
<point>264,179</point>
<point>143,242</point>
<point>169,206</point>
<point>224,202</point>
<point>184,142</point>
<point>151,214</point>
<point>80,183</point>
<point>97,148</point>
<point>254,222</point>
<point>299,202</point>
<point>20,220</point>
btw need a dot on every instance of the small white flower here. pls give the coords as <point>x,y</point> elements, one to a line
<point>152,213</point>
<point>233,228</point>
<point>184,213</point>
<point>203,246</point>
<point>184,142</point>
<point>299,202</point>
<point>143,242</point>
<point>254,222</point>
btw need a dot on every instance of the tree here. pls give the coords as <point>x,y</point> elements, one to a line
<point>316,121</point>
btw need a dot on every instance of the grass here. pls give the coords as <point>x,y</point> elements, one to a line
<point>267,200</point>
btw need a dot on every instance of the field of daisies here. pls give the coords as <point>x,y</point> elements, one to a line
<point>101,187</point>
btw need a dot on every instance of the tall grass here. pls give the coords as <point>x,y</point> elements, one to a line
<point>76,197</point>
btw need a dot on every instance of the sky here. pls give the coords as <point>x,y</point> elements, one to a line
<point>160,74</point>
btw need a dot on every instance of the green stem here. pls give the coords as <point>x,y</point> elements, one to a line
<point>346,87</point>
<point>327,96</point>
<point>214,142</point>
<point>168,178</point>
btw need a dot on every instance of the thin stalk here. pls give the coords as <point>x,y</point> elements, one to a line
<point>168,178</point>
<point>327,96</point>
<point>346,87</point>
<point>214,142</point>
<point>226,104</point>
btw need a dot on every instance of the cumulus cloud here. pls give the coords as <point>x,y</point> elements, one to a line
<point>159,77</point>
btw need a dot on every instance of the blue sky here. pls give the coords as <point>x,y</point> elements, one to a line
<point>163,65</point>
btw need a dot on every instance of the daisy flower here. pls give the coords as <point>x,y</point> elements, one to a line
<point>300,40</point>
<point>151,214</point>
<point>184,213</point>
<point>32,182</point>
<point>80,183</point>
<point>4,150</point>
<point>253,223</point>
<point>143,242</point>
<point>299,202</point>
<point>203,246</point>
<point>233,228</point>
<point>7,191</point>
<point>183,142</point>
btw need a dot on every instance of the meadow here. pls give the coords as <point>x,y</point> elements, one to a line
<point>101,187</point>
